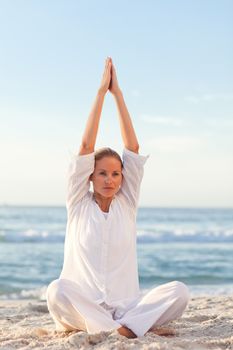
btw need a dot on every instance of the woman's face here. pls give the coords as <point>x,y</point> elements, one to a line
<point>107,176</point>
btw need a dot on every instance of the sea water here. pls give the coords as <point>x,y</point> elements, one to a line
<point>194,246</point>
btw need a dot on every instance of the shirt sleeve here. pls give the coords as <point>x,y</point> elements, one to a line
<point>133,169</point>
<point>80,169</point>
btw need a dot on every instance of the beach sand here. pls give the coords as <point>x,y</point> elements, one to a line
<point>206,324</point>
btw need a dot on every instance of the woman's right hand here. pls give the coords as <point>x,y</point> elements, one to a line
<point>104,85</point>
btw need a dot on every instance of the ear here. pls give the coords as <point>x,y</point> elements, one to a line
<point>90,177</point>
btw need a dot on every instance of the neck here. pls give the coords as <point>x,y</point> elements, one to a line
<point>103,202</point>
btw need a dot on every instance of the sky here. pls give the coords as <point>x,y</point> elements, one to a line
<point>174,62</point>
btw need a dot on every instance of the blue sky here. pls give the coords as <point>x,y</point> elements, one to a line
<point>174,65</point>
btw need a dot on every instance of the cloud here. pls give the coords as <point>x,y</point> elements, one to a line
<point>172,144</point>
<point>206,121</point>
<point>209,97</point>
<point>162,120</point>
<point>220,122</point>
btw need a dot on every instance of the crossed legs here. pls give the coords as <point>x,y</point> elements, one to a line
<point>73,311</point>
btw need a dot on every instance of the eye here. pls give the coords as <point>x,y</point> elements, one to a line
<point>102,173</point>
<point>116,174</point>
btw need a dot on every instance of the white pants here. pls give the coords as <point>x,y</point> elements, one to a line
<point>71,310</point>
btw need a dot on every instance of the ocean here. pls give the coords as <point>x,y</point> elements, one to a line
<point>194,246</point>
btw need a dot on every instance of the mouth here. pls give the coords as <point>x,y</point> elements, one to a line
<point>108,188</point>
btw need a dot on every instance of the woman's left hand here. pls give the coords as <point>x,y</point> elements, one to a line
<point>106,78</point>
<point>114,86</point>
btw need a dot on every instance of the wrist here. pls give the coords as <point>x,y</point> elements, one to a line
<point>117,93</point>
<point>101,92</point>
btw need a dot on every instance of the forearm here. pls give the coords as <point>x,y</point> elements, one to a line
<point>91,129</point>
<point>127,129</point>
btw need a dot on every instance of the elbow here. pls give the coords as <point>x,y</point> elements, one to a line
<point>134,148</point>
<point>85,149</point>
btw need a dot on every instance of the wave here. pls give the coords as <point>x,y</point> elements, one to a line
<point>37,293</point>
<point>195,290</point>
<point>186,236</point>
<point>31,235</point>
<point>143,236</point>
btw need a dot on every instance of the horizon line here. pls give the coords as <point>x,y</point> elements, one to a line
<point>6,205</point>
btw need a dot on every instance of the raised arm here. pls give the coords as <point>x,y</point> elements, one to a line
<point>90,133</point>
<point>127,129</point>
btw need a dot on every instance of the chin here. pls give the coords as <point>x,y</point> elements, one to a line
<point>108,195</point>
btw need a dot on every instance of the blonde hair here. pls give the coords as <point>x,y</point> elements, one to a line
<point>107,152</point>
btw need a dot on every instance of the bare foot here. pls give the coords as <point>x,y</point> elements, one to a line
<point>126,332</point>
<point>163,331</point>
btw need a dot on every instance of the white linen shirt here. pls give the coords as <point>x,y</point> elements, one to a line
<point>100,252</point>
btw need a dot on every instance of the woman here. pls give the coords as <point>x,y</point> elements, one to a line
<point>98,289</point>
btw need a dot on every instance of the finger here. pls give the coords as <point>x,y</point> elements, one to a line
<point>107,72</point>
<point>107,65</point>
<point>113,69</point>
<point>106,68</point>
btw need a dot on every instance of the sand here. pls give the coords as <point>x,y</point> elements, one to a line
<point>206,324</point>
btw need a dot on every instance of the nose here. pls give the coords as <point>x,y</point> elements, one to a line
<point>108,180</point>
